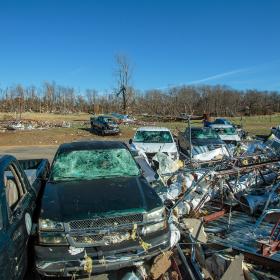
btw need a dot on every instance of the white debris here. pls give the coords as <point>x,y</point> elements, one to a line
<point>175,235</point>
<point>166,164</point>
<point>211,155</point>
<point>75,251</point>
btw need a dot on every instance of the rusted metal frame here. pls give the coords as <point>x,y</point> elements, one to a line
<point>273,244</point>
<point>190,266</point>
<point>175,267</point>
<point>214,216</point>
<point>274,230</point>
<point>250,257</point>
<point>245,168</point>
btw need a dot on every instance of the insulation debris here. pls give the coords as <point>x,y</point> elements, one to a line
<point>160,265</point>
<point>226,207</point>
<point>88,266</point>
<point>26,124</point>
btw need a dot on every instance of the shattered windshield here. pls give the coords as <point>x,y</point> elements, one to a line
<point>153,137</point>
<point>109,120</point>
<point>204,134</point>
<point>226,131</point>
<point>93,164</point>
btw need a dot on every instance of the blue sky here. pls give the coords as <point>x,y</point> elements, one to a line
<point>236,43</point>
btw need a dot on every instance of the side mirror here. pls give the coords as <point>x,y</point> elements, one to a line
<point>130,141</point>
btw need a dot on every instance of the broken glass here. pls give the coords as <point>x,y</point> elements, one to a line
<point>146,136</point>
<point>93,164</point>
<point>226,130</point>
<point>202,133</point>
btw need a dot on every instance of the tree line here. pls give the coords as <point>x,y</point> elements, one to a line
<point>214,100</point>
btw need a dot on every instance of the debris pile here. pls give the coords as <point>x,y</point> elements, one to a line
<point>31,124</point>
<point>227,211</point>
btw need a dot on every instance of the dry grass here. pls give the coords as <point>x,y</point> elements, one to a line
<point>80,131</point>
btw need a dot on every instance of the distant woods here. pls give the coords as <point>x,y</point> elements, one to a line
<point>215,100</point>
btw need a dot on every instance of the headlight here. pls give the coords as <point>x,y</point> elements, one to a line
<point>48,225</point>
<point>153,228</point>
<point>52,238</point>
<point>156,216</point>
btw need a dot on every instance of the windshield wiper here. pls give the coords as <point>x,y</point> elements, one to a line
<point>68,178</point>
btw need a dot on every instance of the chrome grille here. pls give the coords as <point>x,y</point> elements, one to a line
<point>101,239</point>
<point>105,222</point>
<point>90,239</point>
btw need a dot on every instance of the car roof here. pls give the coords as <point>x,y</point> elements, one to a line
<point>91,145</point>
<point>152,128</point>
<point>221,125</point>
<point>222,119</point>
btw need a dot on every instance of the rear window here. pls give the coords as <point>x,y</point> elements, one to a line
<point>93,164</point>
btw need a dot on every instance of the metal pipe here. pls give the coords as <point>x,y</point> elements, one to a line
<point>190,137</point>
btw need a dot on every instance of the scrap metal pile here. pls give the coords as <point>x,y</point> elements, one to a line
<point>226,212</point>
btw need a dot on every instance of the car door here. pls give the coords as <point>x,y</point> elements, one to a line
<point>6,259</point>
<point>102,124</point>
<point>98,123</point>
<point>20,204</point>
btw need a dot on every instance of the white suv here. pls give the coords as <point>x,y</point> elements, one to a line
<point>152,140</point>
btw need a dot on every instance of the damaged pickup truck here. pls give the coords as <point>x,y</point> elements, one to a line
<point>98,212</point>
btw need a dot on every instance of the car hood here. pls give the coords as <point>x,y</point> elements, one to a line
<point>156,147</point>
<point>74,200</point>
<point>233,137</point>
<point>205,142</point>
<point>112,125</point>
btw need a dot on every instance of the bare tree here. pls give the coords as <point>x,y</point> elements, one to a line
<point>123,74</point>
<point>20,99</point>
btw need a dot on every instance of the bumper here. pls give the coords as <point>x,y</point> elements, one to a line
<point>111,131</point>
<point>57,260</point>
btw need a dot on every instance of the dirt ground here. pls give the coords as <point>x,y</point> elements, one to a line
<point>56,136</point>
<point>80,129</point>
